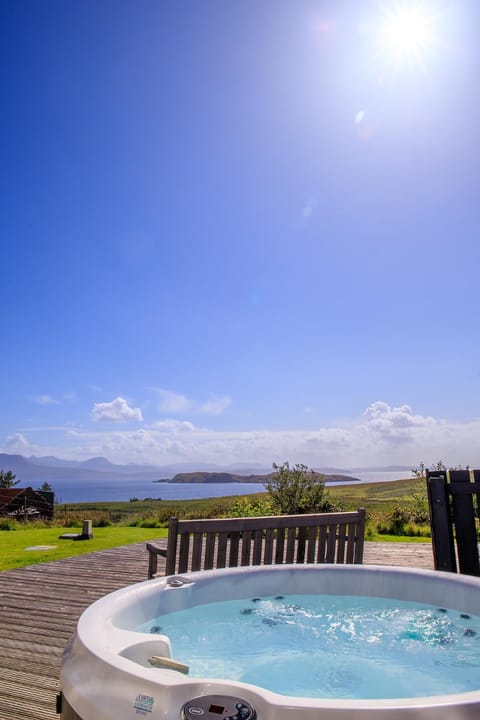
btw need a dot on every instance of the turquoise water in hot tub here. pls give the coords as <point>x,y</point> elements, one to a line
<point>328,646</point>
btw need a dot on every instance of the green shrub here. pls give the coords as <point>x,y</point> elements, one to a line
<point>70,522</point>
<point>116,517</point>
<point>150,523</point>
<point>244,507</point>
<point>370,529</point>
<point>418,507</point>
<point>413,530</point>
<point>101,522</point>
<point>395,521</point>
<point>410,519</point>
<point>297,490</point>
<point>7,524</point>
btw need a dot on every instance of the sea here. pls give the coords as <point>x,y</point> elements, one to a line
<point>123,489</point>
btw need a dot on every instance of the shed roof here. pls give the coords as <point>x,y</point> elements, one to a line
<point>9,494</point>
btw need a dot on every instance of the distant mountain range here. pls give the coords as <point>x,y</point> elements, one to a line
<point>49,468</point>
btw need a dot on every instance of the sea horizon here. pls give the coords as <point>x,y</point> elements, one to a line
<point>122,489</point>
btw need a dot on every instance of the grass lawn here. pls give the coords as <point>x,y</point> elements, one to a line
<point>14,543</point>
<point>376,537</point>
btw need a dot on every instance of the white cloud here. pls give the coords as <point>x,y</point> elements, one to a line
<point>48,428</point>
<point>173,426</point>
<point>172,402</point>
<point>44,400</point>
<point>214,406</point>
<point>382,435</point>
<point>116,411</point>
<point>17,443</point>
<point>177,404</point>
<point>395,423</point>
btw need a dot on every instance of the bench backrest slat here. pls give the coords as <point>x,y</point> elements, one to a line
<point>350,555</point>
<point>229,542</point>
<point>210,545</point>
<point>279,547</point>
<point>183,556</point>
<point>234,549</point>
<point>257,547</point>
<point>222,549</point>
<point>246,545</point>
<point>331,544</point>
<point>311,543</point>
<point>197,551</point>
<point>322,544</point>
<point>268,546</point>
<point>341,540</point>
<point>301,545</point>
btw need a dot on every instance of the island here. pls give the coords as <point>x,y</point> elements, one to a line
<point>226,477</point>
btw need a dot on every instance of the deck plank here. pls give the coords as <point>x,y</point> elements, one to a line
<point>40,606</point>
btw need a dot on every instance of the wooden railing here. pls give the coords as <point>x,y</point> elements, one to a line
<point>230,542</point>
<point>454,500</point>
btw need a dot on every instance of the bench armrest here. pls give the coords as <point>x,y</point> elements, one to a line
<point>154,550</point>
<point>157,549</point>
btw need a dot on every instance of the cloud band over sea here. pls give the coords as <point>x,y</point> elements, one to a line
<point>382,435</point>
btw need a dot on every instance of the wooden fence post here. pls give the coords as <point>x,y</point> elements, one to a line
<point>461,490</point>
<point>440,521</point>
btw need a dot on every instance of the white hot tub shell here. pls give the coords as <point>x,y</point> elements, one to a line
<point>106,673</point>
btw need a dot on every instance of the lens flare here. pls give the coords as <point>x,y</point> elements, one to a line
<point>407,31</point>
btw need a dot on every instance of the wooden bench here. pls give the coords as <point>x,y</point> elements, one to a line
<point>230,542</point>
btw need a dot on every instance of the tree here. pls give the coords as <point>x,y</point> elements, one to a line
<point>417,510</point>
<point>46,487</point>
<point>419,472</point>
<point>7,479</point>
<point>297,490</point>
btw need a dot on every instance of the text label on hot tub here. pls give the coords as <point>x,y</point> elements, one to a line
<point>218,707</point>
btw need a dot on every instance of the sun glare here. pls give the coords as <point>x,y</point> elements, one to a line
<point>407,31</point>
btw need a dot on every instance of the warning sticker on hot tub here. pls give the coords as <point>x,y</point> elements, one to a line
<point>143,704</point>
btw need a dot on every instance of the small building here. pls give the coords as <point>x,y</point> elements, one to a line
<point>26,504</point>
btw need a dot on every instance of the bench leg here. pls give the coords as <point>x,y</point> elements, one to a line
<point>152,564</point>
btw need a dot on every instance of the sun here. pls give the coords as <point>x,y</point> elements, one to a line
<point>406,31</point>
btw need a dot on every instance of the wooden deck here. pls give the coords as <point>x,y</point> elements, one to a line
<point>40,606</point>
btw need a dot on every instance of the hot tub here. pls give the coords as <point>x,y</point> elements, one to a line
<point>113,671</point>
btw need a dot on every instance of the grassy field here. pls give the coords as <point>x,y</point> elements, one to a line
<point>121,523</point>
<point>378,496</point>
<point>14,544</point>
<point>124,512</point>
<point>373,496</point>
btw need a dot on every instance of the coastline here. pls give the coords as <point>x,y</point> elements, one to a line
<point>123,489</point>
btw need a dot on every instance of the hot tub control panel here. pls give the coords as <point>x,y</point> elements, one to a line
<point>218,707</point>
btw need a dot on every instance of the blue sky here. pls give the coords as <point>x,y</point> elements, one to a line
<point>240,231</point>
